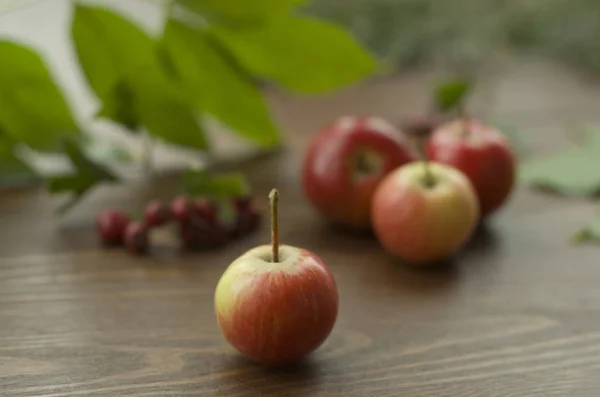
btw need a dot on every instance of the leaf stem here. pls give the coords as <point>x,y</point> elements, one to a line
<point>273,201</point>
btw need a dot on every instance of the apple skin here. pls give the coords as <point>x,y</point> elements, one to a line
<point>345,162</point>
<point>482,153</point>
<point>276,313</point>
<point>421,224</point>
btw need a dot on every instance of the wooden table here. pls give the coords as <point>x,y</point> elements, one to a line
<point>516,314</point>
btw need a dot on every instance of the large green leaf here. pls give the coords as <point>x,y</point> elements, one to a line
<point>574,171</point>
<point>164,111</point>
<point>119,106</point>
<point>32,108</point>
<point>241,10</point>
<point>304,54</point>
<point>108,47</point>
<point>121,63</point>
<point>86,175</point>
<point>169,118</point>
<point>217,85</point>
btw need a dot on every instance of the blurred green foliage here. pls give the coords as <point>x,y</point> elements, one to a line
<point>209,61</point>
<point>465,32</point>
<point>213,56</point>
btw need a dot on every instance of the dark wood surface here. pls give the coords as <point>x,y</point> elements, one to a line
<point>516,314</point>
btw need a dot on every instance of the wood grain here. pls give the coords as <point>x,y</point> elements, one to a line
<point>515,314</point>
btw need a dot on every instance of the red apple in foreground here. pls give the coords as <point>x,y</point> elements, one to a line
<point>482,153</point>
<point>276,304</point>
<point>424,212</point>
<point>346,161</point>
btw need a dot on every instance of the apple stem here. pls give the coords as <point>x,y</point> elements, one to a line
<point>429,179</point>
<point>273,201</point>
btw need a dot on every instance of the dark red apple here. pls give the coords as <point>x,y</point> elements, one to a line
<point>482,153</point>
<point>424,212</point>
<point>276,304</point>
<point>346,161</point>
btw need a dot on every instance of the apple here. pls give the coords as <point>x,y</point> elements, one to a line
<point>423,212</point>
<point>482,153</point>
<point>345,162</point>
<point>276,303</point>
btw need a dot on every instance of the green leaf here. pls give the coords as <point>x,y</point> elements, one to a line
<point>244,10</point>
<point>573,172</point>
<point>32,108</point>
<point>217,86</point>
<point>304,54</point>
<point>164,112</point>
<point>201,183</point>
<point>450,94</point>
<point>86,175</point>
<point>119,106</point>
<point>121,63</point>
<point>148,100</point>
<point>590,233</point>
<point>108,47</point>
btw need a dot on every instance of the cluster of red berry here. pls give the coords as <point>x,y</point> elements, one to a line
<point>200,226</point>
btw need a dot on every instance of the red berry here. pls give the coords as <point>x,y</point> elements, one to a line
<point>136,237</point>
<point>156,214</point>
<point>188,235</point>
<point>242,203</point>
<point>206,210</point>
<point>247,218</point>
<point>202,236</point>
<point>111,226</point>
<point>218,237</point>
<point>181,208</point>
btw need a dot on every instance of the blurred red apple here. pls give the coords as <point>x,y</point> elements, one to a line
<point>482,153</point>
<point>424,212</point>
<point>346,161</point>
<point>276,304</point>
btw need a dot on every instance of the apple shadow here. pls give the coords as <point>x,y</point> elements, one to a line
<point>485,240</point>
<point>301,377</point>
<point>408,280</point>
<point>346,231</point>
